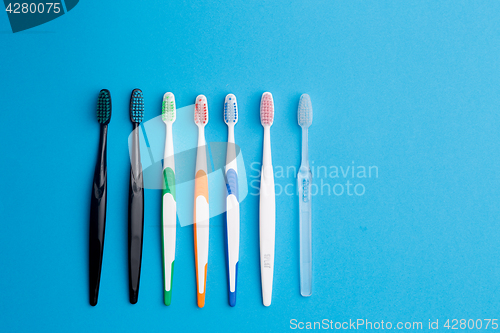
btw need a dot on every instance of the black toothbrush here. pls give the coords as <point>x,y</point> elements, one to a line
<point>98,199</point>
<point>136,198</point>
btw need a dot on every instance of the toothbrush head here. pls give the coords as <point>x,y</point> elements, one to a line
<point>305,111</point>
<point>168,108</point>
<point>266,109</point>
<point>136,106</point>
<point>230,110</point>
<point>104,107</point>
<point>201,111</point>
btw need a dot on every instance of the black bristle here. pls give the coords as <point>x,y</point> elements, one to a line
<point>136,106</point>
<point>104,107</point>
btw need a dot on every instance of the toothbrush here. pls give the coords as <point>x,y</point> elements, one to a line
<point>232,199</point>
<point>136,198</point>
<point>201,209</point>
<point>267,213</point>
<point>98,199</point>
<point>168,205</point>
<point>304,181</point>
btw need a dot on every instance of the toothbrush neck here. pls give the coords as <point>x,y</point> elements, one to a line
<point>169,142</point>
<point>201,152</point>
<point>103,139</point>
<point>135,157</point>
<point>305,155</point>
<point>230,133</point>
<point>231,149</point>
<point>168,136</point>
<point>266,158</point>
<point>201,136</point>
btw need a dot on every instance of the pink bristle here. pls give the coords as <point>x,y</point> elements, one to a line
<point>267,109</point>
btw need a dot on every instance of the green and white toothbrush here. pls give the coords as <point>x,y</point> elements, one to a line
<point>168,204</point>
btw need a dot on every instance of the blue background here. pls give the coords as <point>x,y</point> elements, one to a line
<point>409,86</point>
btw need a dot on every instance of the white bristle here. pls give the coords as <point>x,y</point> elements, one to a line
<point>267,109</point>
<point>230,110</point>
<point>201,110</point>
<point>305,111</point>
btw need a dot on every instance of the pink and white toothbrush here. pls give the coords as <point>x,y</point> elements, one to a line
<point>267,213</point>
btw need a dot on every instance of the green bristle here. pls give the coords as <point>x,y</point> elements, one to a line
<point>104,107</point>
<point>167,111</point>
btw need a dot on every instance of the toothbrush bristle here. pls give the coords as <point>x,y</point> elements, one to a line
<point>168,108</point>
<point>136,106</point>
<point>201,110</point>
<point>230,110</point>
<point>266,109</point>
<point>104,107</point>
<point>305,111</point>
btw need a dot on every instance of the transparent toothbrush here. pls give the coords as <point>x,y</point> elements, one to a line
<point>304,181</point>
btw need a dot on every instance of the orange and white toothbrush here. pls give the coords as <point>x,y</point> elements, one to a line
<point>201,213</point>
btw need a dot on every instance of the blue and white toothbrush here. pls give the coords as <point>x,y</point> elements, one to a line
<point>232,199</point>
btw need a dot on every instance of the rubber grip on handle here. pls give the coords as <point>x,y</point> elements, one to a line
<point>168,219</point>
<point>201,234</point>
<point>232,234</point>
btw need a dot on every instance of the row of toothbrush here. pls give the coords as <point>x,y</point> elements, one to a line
<point>267,215</point>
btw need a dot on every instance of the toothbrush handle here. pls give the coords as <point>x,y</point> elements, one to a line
<point>169,209</point>
<point>97,218</point>
<point>304,180</point>
<point>232,233</point>
<point>135,218</point>
<point>201,234</point>
<point>267,229</point>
